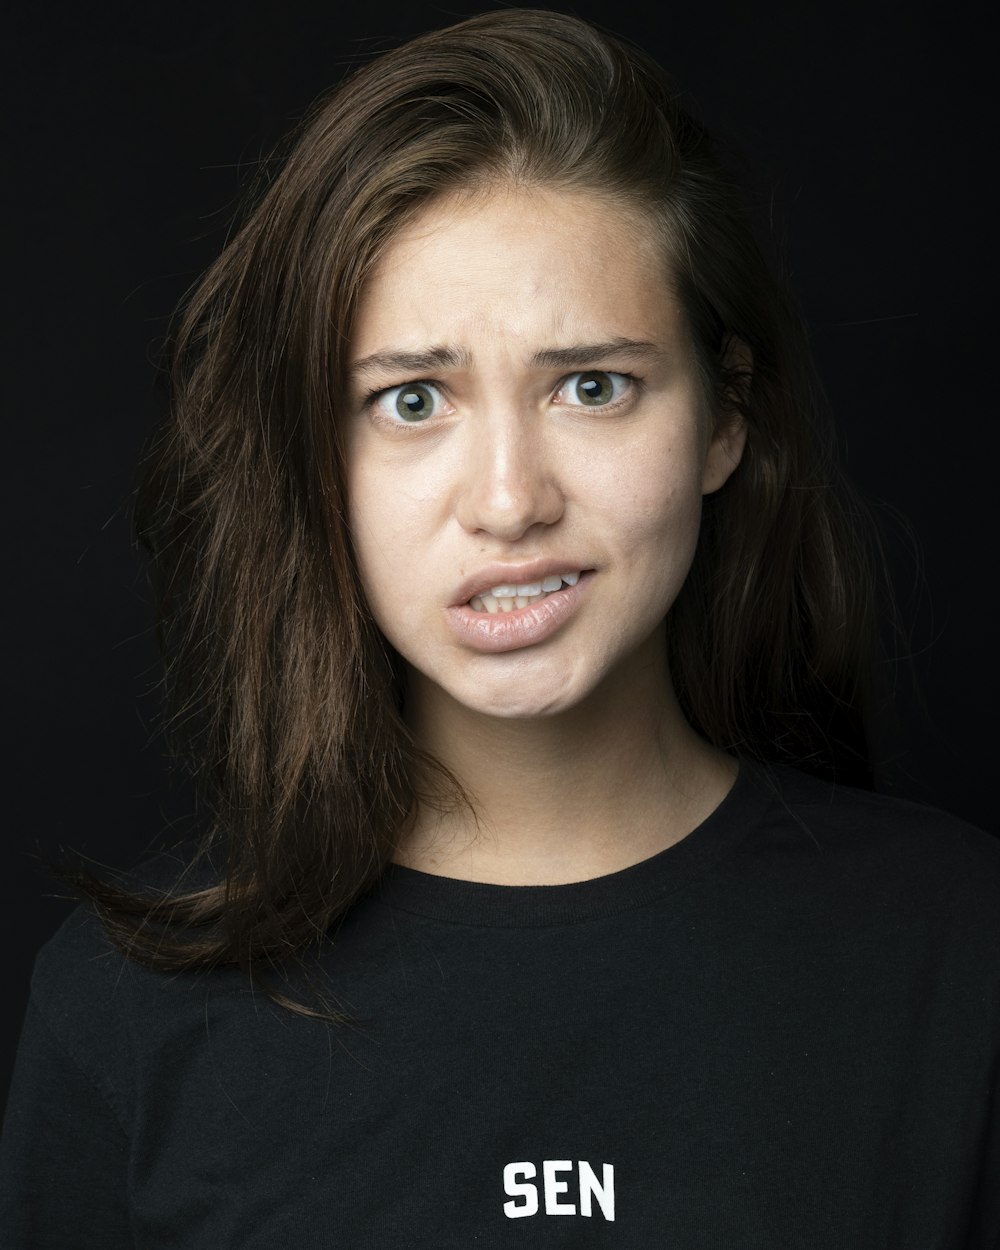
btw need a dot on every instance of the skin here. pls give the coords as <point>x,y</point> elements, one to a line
<point>574,750</point>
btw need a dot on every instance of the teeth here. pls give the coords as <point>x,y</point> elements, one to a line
<point>507,597</point>
<point>508,590</point>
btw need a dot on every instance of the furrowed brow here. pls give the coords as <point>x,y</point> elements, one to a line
<point>579,355</point>
<point>411,362</point>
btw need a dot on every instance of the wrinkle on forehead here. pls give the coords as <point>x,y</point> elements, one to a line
<point>633,229</point>
<point>493,280</point>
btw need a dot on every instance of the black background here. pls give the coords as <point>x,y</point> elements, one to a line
<point>130,130</point>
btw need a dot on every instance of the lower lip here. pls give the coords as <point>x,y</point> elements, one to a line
<point>521,627</point>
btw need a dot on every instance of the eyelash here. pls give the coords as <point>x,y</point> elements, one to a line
<point>635,383</point>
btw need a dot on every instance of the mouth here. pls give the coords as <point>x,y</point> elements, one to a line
<point>510,616</point>
<point>510,596</point>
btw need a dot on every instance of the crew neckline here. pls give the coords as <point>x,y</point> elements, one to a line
<point>487,905</point>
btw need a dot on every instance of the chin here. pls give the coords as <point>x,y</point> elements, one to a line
<point>522,697</point>
<point>529,708</point>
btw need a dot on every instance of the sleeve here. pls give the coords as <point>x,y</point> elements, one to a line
<point>63,1154</point>
<point>985,1231</point>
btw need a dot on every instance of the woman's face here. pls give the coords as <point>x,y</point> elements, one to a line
<point>528,446</point>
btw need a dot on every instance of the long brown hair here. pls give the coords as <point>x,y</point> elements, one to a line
<point>286,699</point>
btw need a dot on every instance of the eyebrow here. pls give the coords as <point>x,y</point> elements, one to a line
<point>576,355</point>
<point>588,353</point>
<point>413,362</point>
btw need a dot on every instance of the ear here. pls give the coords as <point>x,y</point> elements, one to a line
<point>730,433</point>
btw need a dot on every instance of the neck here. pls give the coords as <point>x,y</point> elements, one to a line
<point>563,798</point>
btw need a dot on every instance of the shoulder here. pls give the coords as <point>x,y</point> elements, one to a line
<point>877,823</point>
<point>847,810</point>
<point>92,998</point>
<point>78,965</point>
<point>80,960</point>
<point>74,988</point>
<point>910,860</point>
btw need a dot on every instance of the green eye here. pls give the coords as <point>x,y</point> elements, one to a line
<point>414,402</point>
<point>594,389</point>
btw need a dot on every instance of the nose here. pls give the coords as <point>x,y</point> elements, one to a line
<point>509,484</point>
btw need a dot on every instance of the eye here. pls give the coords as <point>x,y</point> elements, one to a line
<point>412,402</point>
<point>594,389</point>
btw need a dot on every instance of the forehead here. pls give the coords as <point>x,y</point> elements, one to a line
<point>522,215</point>
<point>519,263</point>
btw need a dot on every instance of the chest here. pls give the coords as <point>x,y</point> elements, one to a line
<point>659,1092</point>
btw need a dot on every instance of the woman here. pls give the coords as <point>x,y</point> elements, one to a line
<point>504,576</point>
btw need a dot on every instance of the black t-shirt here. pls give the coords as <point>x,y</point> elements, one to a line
<point>783,1031</point>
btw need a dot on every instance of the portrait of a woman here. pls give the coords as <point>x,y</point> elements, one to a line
<point>518,627</point>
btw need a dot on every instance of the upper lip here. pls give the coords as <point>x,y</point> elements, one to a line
<point>512,575</point>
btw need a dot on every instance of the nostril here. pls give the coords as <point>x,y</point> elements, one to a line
<point>506,508</point>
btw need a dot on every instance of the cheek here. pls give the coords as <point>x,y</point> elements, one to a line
<point>376,533</point>
<point>392,519</point>
<point>653,500</point>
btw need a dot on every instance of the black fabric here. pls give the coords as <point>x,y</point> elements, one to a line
<point>781,1032</point>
